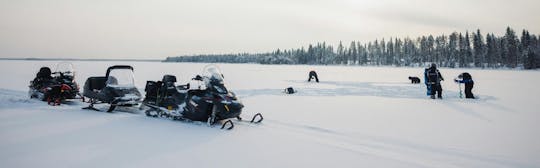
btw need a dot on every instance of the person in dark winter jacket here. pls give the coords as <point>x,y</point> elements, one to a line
<point>313,74</point>
<point>466,78</point>
<point>434,79</point>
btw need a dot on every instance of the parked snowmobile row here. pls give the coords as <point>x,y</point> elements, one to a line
<point>204,99</point>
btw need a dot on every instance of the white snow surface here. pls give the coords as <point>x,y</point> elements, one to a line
<point>356,117</point>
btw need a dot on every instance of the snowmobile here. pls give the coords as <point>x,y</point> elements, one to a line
<point>116,88</point>
<point>65,74</point>
<point>54,90</point>
<point>210,101</point>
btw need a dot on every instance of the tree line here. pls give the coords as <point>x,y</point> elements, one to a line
<point>469,49</point>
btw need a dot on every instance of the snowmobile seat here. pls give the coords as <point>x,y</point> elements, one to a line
<point>151,90</point>
<point>93,86</point>
<point>169,78</point>
<point>96,83</point>
<point>168,84</point>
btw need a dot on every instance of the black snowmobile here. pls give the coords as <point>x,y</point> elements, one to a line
<point>208,102</point>
<point>55,89</point>
<point>65,74</point>
<point>116,88</point>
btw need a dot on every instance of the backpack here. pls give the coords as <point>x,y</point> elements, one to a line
<point>44,72</point>
<point>290,90</point>
<point>433,75</point>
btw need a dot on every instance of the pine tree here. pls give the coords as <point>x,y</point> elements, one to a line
<point>340,53</point>
<point>468,51</point>
<point>310,55</point>
<point>491,53</point>
<point>362,54</point>
<point>453,49</point>
<point>376,53</point>
<point>479,53</point>
<point>353,53</point>
<point>390,52</point>
<point>398,57</point>
<point>462,51</point>
<point>511,48</point>
<point>536,42</point>
<point>528,51</point>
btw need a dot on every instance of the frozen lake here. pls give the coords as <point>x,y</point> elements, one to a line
<point>356,117</point>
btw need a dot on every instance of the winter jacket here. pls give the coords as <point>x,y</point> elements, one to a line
<point>433,76</point>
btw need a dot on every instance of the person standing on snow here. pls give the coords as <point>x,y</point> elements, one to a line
<point>466,78</point>
<point>313,74</point>
<point>434,79</point>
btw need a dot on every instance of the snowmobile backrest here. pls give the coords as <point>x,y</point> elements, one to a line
<point>169,79</point>
<point>96,83</point>
<point>152,86</point>
<point>117,67</point>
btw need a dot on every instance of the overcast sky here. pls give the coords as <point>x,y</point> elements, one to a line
<point>155,29</point>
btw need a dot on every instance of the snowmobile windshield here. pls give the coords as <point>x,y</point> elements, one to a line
<point>121,78</point>
<point>214,78</point>
<point>212,72</point>
<point>65,68</point>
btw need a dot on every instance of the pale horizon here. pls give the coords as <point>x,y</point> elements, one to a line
<point>158,29</point>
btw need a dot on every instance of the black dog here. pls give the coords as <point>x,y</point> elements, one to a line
<point>414,79</point>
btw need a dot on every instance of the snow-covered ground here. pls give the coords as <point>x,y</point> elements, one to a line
<point>356,117</point>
